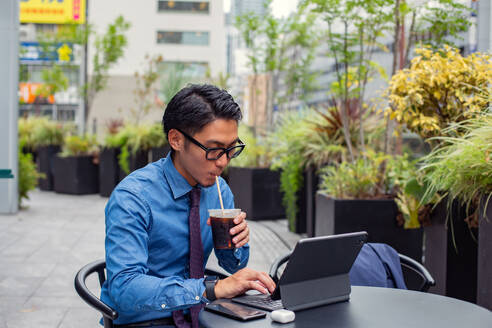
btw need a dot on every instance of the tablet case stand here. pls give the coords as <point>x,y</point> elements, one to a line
<point>316,292</point>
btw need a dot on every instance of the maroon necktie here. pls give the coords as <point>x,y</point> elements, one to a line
<point>196,259</point>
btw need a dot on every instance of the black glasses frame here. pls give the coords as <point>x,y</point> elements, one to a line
<point>238,148</point>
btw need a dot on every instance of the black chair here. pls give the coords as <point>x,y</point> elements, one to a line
<point>107,312</point>
<point>416,276</point>
<point>98,266</point>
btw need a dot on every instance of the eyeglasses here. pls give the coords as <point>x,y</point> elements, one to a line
<point>213,154</point>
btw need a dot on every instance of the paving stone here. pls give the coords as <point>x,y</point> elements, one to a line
<point>9,304</point>
<point>80,318</point>
<point>73,301</point>
<point>19,286</point>
<point>27,269</point>
<point>35,317</point>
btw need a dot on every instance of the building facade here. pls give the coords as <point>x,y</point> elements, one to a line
<point>189,35</point>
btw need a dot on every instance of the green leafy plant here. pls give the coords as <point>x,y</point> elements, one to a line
<point>54,80</point>
<point>460,168</point>
<point>108,49</point>
<point>145,89</point>
<point>277,46</point>
<point>45,132</point>
<point>353,28</point>
<point>355,180</point>
<point>412,199</point>
<point>439,88</point>
<point>138,137</point>
<point>75,145</point>
<point>24,129</point>
<point>256,153</point>
<point>288,142</point>
<point>28,175</point>
<point>156,136</point>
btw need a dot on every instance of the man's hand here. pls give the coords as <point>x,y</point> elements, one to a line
<point>240,231</point>
<point>242,281</point>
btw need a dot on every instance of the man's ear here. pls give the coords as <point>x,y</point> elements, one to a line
<point>175,139</point>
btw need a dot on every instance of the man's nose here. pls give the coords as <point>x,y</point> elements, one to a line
<point>222,161</point>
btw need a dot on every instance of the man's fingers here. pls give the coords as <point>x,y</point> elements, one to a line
<point>242,242</point>
<point>266,280</point>
<point>238,228</point>
<point>241,236</point>
<point>238,219</point>
<point>257,286</point>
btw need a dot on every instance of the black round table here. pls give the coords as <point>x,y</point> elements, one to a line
<point>376,307</point>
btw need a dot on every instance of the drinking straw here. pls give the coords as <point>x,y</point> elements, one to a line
<point>220,194</point>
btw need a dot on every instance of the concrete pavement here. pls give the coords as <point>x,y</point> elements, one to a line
<point>43,246</point>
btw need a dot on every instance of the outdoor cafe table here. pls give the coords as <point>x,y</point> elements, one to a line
<point>375,307</point>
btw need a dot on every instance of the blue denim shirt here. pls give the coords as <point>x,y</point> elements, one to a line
<point>147,243</point>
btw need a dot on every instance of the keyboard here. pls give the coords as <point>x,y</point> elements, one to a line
<point>264,302</point>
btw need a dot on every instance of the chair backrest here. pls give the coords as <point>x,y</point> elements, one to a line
<point>80,286</point>
<point>416,276</point>
<point>107,312</point>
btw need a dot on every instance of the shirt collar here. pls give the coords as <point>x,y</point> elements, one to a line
<point>178,184</point>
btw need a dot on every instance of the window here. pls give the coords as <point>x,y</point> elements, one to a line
<point>175,75</point>
<point>200,7</point>
<point>188,38</point>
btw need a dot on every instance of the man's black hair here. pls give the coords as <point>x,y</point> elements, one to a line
<point>196,105</point>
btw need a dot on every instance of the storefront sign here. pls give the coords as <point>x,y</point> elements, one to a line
<point>33,51</point>
<point>27,93</point>
<point>52,11</point>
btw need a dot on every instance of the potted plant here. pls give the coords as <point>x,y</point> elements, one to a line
<point>135,149</point>
<point>359,196</point>
<point>287,142</point>
<point>47,138</point>
<point>158,143</point>
<point>74,169</point>
<point>109,170</point>
<point>256,188</point>
<point>25,128</point>
<point>303,142</point>
<point>460,169</point>
<point>439,89</point>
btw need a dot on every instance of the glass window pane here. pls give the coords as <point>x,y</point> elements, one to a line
<point>201,7</point>
<point>187,38</point>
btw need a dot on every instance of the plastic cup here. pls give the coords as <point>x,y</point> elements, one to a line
<point>222,221</point>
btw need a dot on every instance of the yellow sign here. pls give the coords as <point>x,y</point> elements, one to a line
<point>52,11</point>
<point>64,52</point>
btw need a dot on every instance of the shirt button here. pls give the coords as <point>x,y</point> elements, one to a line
<point>197,298</point>
<point>163,306</point>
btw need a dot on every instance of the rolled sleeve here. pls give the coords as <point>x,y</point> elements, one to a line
<point>233,260</point>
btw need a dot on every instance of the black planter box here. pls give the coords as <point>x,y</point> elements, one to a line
<point>306,203</point>
<point>377,217</point>
<point>257,192</point>
<point>44,161</point>
<point>484,281</point>
<point>109,170</point>
<point>75,175</point>
<point>453,268</point>
<point>136,161</point>
<point>156,153</point>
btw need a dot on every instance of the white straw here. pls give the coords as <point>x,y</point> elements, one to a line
<point>220,194</point>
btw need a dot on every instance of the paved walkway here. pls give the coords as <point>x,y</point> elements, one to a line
<point>43,246</point>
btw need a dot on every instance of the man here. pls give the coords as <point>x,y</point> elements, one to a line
<point>157,226</point>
